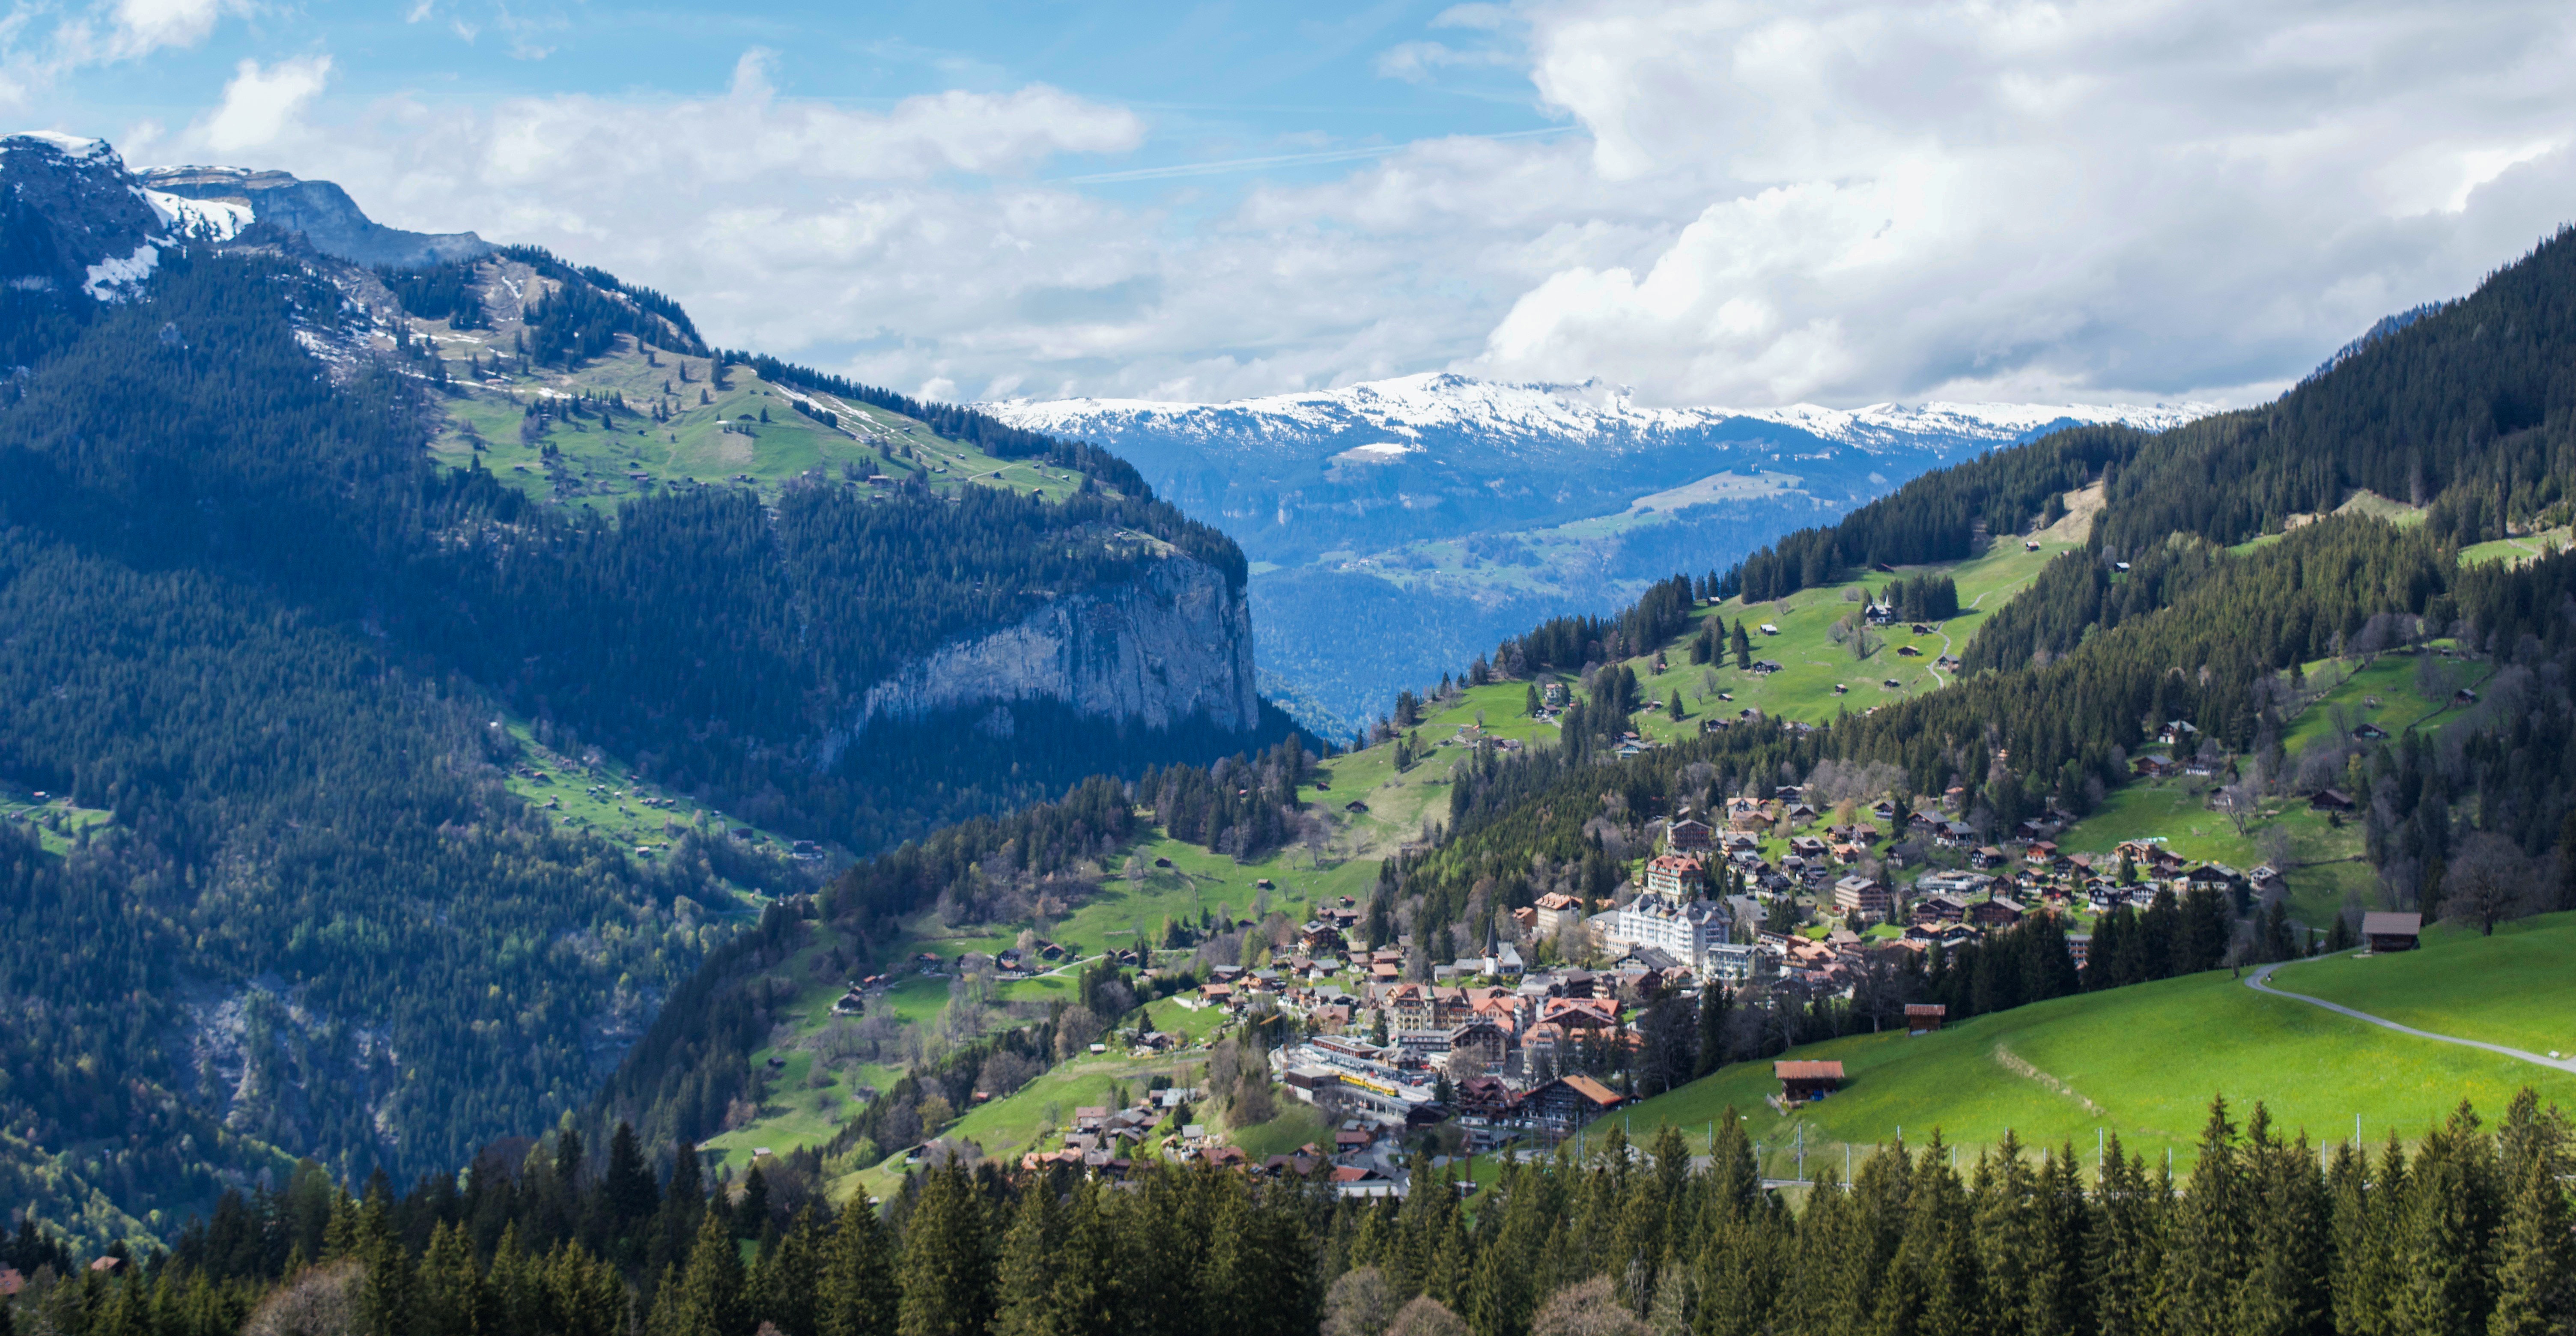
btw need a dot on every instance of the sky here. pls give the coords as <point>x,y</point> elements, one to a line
<point>1733,203</point>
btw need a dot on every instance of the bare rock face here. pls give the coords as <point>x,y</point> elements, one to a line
<point>1173,643</point>
<point>321,212</point>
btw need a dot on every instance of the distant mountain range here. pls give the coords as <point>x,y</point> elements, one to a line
<point>1462,510</point>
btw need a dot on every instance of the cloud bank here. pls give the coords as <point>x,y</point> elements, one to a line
<point>1747,204</point>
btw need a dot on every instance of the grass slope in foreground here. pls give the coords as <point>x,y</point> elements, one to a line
<point>2143,1062</point>
<point>2514,988</point>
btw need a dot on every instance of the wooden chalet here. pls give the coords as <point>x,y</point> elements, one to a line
<point>1568,1102</point>
<point>2392,932</point>
<point>1802,1082</point>
<point>1924,1017</point>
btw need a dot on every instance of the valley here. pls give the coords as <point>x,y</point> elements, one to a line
<point>517,820</point>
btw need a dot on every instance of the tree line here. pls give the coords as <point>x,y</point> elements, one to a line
<point>2468,1230</point>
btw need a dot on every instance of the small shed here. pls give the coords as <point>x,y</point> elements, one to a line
<point>2392,932</point>
<point>1924,1017</point>
<point>1804,1081</point>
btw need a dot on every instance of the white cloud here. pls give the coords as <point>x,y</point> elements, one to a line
<point>142,26</point>
<point>1896,199</point>
<point>260,103</point>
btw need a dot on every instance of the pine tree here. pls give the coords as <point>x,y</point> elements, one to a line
<point>451,1288</point>
<point>946,1279</point>
<point>709,1300</point>
<point>626,1191</point>
<point>2214,1234</point>
<point>1713,1002</point>
<point>387,1293</point>
<point>2448,1220</point>
<point>2535,1242</point>
<point>1024,1279</point>
<point>858,1293</point>
<point>786,1284</point>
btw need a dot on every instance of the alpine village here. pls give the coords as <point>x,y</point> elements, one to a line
<point>516,819</point>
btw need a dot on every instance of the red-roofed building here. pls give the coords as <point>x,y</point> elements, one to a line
<point>1676,876</point>
<point>1803,1081</point>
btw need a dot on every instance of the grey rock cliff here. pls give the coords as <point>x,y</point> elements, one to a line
<point>321,212</point>
<point>1172,643</point>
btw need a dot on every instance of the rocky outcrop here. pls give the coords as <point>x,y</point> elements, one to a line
<point>68,211</point>
<point>1158,650</point>
<point>322,213</point>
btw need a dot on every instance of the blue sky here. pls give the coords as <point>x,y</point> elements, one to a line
<point>1232,93</point>
<point>1747,203</point>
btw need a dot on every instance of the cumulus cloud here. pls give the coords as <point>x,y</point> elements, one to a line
<point>142,26</point>
<point>1901,199</point>
<point>260,103</point>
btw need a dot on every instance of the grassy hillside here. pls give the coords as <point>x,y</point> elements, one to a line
<point>2511,989</point>
<point>2143,1062</point>
<point>714,435</point>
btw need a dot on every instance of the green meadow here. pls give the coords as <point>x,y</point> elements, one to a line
<point>2143,1063</point>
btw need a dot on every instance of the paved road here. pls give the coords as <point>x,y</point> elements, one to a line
<point>2260,981</point>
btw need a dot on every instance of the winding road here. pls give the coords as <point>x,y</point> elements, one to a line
<point>2261,981</point>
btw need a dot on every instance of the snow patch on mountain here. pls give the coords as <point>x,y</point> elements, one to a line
<point>70,146</point>
<point>197,219</point>
<point>109,278</point>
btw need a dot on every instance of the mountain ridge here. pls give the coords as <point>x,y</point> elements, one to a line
<point>1410,404</point>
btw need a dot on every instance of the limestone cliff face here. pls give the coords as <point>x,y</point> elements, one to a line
<point>1172,643</point>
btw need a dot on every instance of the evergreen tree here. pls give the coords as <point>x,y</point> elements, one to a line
<point>1713,1002</point>
<point>946,1280</point>
<point>708,1299</point>
<point>1024,1279</point>
<point>858,1294</point>
<point>786,1285</point>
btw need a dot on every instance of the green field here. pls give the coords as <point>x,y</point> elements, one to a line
<point>1812,665</point>
<point>2143,1063</point>
<point>2530,547</point>
<point>598,463</point>
<point>55,822</point>
<point>2511,989</point>
<point>600,794</point>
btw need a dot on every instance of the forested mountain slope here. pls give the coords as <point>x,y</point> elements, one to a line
<point>287,660</point>
<point>2176,604</point>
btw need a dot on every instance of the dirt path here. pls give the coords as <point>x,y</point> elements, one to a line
<point>2261,981</point>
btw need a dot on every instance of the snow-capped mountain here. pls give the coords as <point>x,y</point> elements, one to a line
<point>1424,408</point>
<point>1356,497</point>
<point>1441,455</point>
<point>74,217</point>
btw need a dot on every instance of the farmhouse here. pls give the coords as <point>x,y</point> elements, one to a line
<point>1801,1082</point>
<point>2392,932</point>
